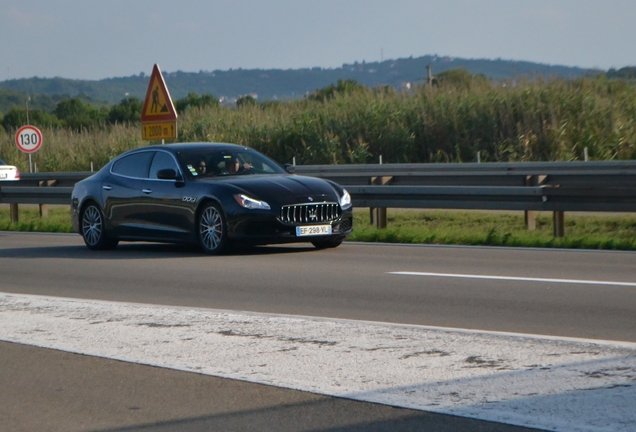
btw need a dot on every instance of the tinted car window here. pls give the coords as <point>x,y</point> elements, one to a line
<point>162,160</point>
<point>211,163</point>
<point>134,165</point>
<point>2,162</point>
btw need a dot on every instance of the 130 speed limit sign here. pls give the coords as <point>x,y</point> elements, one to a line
<point>28,139</point>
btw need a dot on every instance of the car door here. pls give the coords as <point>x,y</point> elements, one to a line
<point>122,194</point>
<point>164,212</point>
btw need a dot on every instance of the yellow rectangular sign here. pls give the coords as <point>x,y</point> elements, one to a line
<point>159,130</point>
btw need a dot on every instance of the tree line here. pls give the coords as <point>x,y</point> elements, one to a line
<point>76,115</point>
<point>282,84</point>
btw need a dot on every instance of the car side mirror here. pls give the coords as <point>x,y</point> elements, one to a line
<point>289,168</point>
<point>167,174</point>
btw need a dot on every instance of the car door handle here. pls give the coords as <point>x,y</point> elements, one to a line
<point>107,187</point>
<point>146,191</point>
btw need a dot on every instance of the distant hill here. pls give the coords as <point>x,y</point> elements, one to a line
<point>268,84</point>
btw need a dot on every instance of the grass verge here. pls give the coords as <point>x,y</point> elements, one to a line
<point>614,232</point>
<point>497,229</point>
<point>59,220</point>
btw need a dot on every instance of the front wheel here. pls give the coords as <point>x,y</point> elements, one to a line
<point>212,230</point>
<point>325,244</point>
<point>93,231</point>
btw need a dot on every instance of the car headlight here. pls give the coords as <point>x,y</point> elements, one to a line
<point>345,200</point>
<point>251,203</point>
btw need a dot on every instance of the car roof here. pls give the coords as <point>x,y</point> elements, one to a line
<point>178,147</point>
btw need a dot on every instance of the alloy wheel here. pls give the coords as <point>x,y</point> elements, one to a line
<point>211,229</point>
<point>92,225</point>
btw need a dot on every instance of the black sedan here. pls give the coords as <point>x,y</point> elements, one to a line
<point>210,194</point>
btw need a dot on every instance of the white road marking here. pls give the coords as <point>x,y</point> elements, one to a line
<point>513,278</point>
<point>558,384</point>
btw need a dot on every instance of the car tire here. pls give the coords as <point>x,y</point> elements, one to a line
<point>93,230</point>
<point>327,244</point>
<point>212,230</point>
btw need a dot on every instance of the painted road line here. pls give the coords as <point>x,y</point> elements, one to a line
<point>548,384</point>
<point>513,278</point>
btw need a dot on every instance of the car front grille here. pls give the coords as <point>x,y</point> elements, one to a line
<point>309,213</point>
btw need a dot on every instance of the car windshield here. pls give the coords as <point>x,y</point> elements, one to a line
<point>226,162</point>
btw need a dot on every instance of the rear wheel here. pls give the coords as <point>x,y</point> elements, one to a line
<point>212,230</point>
<point>93,231</point>
<point>325,244</point>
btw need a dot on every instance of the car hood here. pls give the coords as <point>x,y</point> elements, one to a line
<point>284,189</point>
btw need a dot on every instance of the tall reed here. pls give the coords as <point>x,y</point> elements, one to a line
<point>532,120</point>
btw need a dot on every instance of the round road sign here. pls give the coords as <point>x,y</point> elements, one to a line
<point>28,139</point>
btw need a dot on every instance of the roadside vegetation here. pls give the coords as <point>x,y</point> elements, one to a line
<point>498,229</point>
<point>58,221</point>
<point>458,117</point>
<point>614,232</point>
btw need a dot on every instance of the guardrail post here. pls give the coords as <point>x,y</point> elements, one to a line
<point>44,208</point>
<point>530,216</point>
<point>379,215</point>
<point>381,218</point>
<point>14,212</point>
<point>531,219</point>
<point>559,223</point>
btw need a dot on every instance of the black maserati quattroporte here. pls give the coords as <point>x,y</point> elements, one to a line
<point>210,194</point>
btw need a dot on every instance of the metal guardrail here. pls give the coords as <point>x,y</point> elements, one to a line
<point>563,174</point>
<point>563,186</point>
<point>532,186</point>
<point>534,198</point>
<point>58,179</point>
<point>35,195</point>
<point>39,188</point>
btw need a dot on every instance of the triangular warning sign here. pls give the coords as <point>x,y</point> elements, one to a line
<point>158,104</point>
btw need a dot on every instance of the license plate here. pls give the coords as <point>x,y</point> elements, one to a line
<point>313,230</point>
<point>3,175</point>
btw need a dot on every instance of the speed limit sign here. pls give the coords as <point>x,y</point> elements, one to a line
<point>28,139</point>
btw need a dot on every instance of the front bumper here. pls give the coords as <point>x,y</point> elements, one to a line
<point>268,229</point>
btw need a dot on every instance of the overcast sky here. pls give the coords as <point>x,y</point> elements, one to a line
<point>95,39</point>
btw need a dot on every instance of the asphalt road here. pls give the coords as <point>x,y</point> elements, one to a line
<point>51,390</point>
<point>352,282</point>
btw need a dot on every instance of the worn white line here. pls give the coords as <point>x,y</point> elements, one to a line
<point>468,331</point>
<point>514,278</point>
